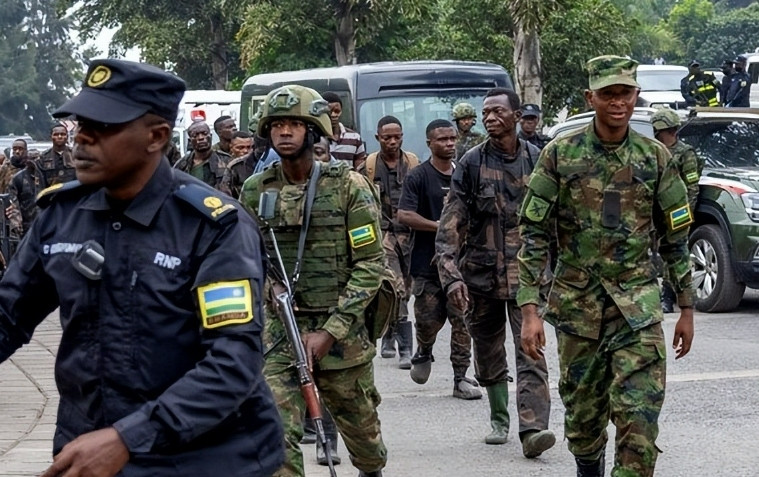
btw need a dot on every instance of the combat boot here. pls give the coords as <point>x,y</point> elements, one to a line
<point>590,468</point>
<point>321,456</point>
<point>535,443</point>
<point>387,348</point>
<point>376,473</point>
<point>465,388</point>
<point>498,396</point>
<point>309,432</point>
<point>421,365</point>
<point>404,332</point>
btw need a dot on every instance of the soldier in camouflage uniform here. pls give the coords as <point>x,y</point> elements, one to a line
<point>604,194</point>
<point>465,118</point>
<point>477,244</point>
<point>388,169</point>
<point>422,200</point>
<point>56,165</point>
<point>342,265</point>
<point>242,166</point>
<point>13,164</point>
<point>666,122</point>
<point>203,162</point>
<point>23,195</point>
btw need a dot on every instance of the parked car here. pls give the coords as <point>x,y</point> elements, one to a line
<point>724,239</point>
<point>660,86</point>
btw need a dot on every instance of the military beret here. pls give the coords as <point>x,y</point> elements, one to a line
<point>609,70</point>
<point>529,110</point>
<point>119,91</point>
<point>694,63</point>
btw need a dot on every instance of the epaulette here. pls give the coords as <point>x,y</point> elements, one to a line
<point>209,204</point>
<point>48,195</point>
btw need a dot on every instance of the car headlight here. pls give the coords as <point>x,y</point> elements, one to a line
<point>751,202</point>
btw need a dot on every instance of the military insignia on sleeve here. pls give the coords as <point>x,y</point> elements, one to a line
<point>361,236</point>
<point>691,177</point>
<point>680,218</point>
<point>536,209</point>
<point>99,76</point>
<point>225,303</point>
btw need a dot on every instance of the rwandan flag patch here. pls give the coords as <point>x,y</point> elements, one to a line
<point>363,235</point>
<point>225,303</point>
<point>680,218</point>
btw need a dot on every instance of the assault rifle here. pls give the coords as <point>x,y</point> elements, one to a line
<point>284,299</point>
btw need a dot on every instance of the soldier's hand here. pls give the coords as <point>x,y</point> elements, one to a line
<point>100,453</point>
<point>317,345</point>
<point>684,332</point>
<point>533,334</point>
<point>458,295</point>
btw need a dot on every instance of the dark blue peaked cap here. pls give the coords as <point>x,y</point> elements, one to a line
<point>119,91</point>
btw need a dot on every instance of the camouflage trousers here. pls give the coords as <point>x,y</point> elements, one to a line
<point>431,310</point>
<point>352,399</point>
<point>621,376</point>
<point>397,247</point>
<point>486,322</point>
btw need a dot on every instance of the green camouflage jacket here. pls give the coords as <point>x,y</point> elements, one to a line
<point>343,259</point>
<point>605,210</point>
<point>465,142</point>
<point>478,237</point>
<point>690,167</point>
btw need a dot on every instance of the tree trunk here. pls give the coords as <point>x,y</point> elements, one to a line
<point>219,65</point>
<point>345,37</point>
<point>527,70</point>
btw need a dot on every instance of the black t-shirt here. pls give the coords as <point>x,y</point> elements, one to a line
<point>424,192</point>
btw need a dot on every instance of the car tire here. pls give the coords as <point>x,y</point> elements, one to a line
<point>714,281</point>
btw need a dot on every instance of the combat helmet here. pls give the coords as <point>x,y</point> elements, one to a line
<point>295,101</point>
<point>463,111</point>
<point>665,118</point>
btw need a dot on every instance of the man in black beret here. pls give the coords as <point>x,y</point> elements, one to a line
<point>528,125</point>
<point>159,279</point>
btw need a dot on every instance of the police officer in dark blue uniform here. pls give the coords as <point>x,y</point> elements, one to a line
<point>159,279</point>
<point>738,96</point>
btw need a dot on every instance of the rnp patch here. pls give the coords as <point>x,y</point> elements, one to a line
<point>680,218</point>
<point>225,303</point>
<point>361,236</point>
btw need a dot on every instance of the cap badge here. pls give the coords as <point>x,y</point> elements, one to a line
<point>99,76</point>
<point>212,202</point>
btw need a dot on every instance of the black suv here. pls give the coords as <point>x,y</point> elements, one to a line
<point>724,240</point>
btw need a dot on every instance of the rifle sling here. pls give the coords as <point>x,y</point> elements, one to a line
<point>310,195</point>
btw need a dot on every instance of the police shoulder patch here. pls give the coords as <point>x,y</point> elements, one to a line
<point>225,303</point>
<point>362,236</point>
<point>209,203</point>
<point>680,217</point>
<point>46,196</point>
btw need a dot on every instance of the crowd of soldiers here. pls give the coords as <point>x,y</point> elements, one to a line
<point>496,228</point>
<point>701,88</point>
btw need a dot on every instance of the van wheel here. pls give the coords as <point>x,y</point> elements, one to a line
<point>713,274</point>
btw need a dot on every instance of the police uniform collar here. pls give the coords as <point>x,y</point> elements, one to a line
<point>145,205</point>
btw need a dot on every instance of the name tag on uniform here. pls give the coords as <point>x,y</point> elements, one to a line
<point>225,303</point>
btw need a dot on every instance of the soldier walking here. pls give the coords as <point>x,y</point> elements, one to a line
<point>465,118</point>
<point>477,244</point>
<point>421,204</point>
<point>604,194</point>
<point>341,264</point>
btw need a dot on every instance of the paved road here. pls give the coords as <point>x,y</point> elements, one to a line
<point>710,421</point>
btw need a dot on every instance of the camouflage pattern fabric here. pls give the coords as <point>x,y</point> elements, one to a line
<point>397,247</point>
<point>237,171</point>
<point>690,166</point>
<point>631,365</point>
<point>23,197</point>
<point>575,181</point>
<point>431,310</point>
<point>486,322</point>
<point>53,168</point>
<point>7,171</point>
<point>478,237</point>
<point>342,265</point>
<point>466,141</point>
<point>213,167</point>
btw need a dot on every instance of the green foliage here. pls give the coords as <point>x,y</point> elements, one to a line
<point>38,66</point>
<point>687,20</point>
<point>589,29</point>
<point>729,35</point>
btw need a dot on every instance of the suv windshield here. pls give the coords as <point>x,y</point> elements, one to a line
<point>659,80</point>
<point>414,113</point>
<point>724,143</point>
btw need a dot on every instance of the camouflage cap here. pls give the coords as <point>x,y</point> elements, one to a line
<point>665,118</point>
<point>609,70</point>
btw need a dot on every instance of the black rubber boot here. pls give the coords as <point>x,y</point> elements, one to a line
<point>376,473</point>
<point>387,348</point>
<point>421,365</point>
<point>321,457</point>
<point>591,468</point>
<point>309,431</point>
<point>404,332</point>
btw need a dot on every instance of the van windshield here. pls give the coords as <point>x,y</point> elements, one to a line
<point>660,80</point>
<point>415,113</point>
